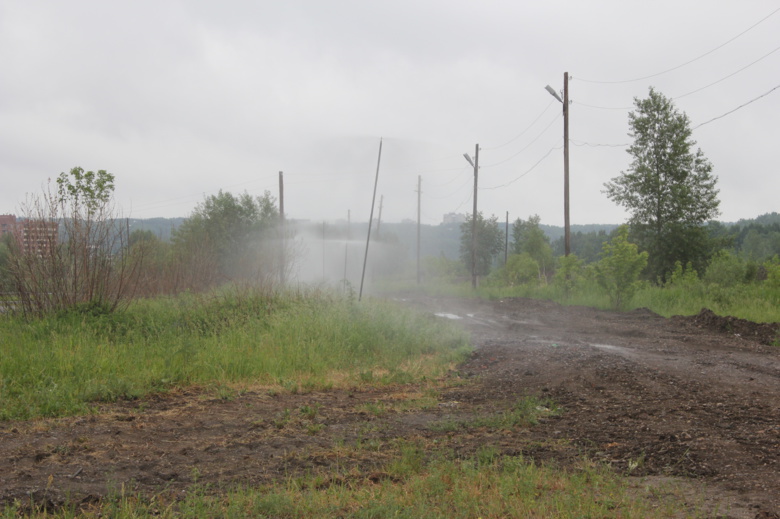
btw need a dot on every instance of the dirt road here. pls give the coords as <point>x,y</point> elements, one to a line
<point>693,400</point>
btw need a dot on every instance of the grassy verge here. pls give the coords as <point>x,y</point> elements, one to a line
<point>296,341</point>
<point>417,483</point>
<point>755,302</point>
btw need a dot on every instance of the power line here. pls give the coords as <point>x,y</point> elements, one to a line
<point>687,62</point>
<point>524,147</point>
<point>732,74</point>
<point>692,91</point>
<point>523,132</point>
<point>737,108</point>
<point>453,193</point>
<point>468,198</point>
<point>579,103</point>
<point>527,171</point>
<point>598,145</point>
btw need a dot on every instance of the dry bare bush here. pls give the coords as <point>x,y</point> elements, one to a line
<point>71,248</point>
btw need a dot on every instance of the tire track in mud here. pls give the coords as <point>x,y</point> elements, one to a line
<point>651,396</point>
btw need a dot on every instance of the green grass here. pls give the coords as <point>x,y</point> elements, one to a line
<point>755,302</point>
<point>417,483</point>
<point>63,365</point>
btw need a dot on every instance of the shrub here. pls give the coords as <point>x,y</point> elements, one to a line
<point>619,268</point>
<point>90,266</point>
<point>725,269</point>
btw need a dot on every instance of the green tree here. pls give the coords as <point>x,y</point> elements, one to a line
<point>490,241</point>
<point>227,237</point>
<point>528,237</point>
<point>669,190</point>
<point>85,192</point>
<point>619,268</point>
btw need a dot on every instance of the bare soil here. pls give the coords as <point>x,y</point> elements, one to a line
<point>692,402</point>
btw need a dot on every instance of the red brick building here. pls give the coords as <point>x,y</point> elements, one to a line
<point>7,224</point>
<point>35,236</point>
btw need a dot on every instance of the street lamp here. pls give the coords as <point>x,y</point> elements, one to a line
<point>565,103</point>
<point>475,164</point>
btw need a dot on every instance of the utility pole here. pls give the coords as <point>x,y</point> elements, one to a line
<point>370,221</point>
<point>474,222</point>
<point>379,218</point>
<point>566,226</point>
<point>506,242</point>
<point>565,103</point>
<point>346,248</point>
<point>474,163</point>
<point>282,230</point>
<point>419,193</point>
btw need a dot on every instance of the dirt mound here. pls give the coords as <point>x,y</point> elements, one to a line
<point>763,333</point>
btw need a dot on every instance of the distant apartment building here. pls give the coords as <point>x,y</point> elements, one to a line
<point>454,218</point>
<point>7,224</point>
<point>34,236</point>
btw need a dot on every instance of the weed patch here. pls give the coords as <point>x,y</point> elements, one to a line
<point>299,343</point>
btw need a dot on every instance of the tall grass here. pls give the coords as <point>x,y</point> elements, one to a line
<point>756,302</point>
<point>62,365</point>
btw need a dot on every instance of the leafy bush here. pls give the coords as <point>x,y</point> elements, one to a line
<point>773,273</point>
<point>683,277</point>
<point>520,269</point>
<point>442,269</point>
<point>619,268</point>
<point>569,274</point>
<point>726,270</point>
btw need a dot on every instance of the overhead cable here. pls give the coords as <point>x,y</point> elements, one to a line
<point>526,172</point>
<point>457,190</point>
<point>597,145</point>
<point>687,62</point>
<point>523,132</point>
<point>732,74</point>
<point>579,103</point>
<point>737,108</point>
<point>692,91</point>
<point>468,198</point>
<point>524,147</point>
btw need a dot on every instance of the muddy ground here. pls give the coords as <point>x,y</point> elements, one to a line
<point>692,402</point>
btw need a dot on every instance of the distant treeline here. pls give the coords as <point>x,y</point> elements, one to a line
<point>754,239</point>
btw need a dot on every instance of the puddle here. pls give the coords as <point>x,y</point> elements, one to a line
<point>448,316</point>
<point>609,347</point>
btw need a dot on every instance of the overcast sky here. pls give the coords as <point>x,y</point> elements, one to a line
<point>179,99</point>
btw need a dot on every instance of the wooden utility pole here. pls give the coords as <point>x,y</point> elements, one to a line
<point>474,223</point>
<point>282,231</point>
<point>370,221</point>
<point>566,226</point>
<point>506,242</point>
<point>565,103</point>
<point>346,248</point>
<point>419,193</point>
<point>379,218</point>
